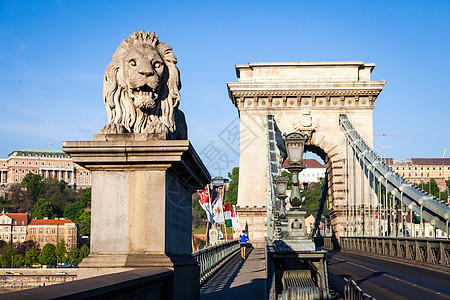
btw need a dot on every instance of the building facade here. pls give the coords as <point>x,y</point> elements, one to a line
<point>314,172</point>
<point>13,227</point>
<point>45,162</point>
<point>423,169</point>
<point>52,231</point>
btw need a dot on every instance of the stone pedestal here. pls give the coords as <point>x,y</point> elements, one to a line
<point>141,205</point>
<point>297,238</point>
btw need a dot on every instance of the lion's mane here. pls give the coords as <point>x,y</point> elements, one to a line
<point>120,108</point>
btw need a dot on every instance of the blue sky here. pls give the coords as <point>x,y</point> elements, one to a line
<point>53,55</point>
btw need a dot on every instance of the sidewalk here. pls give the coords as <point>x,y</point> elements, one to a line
<point>238,279</point>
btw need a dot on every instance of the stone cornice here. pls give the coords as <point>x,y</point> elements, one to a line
<point>122,152</point>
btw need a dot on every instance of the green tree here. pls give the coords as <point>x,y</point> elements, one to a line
<point>61,251</point>
<point>48,255</point>
<point>73,257</point>
<point>33,183</point>
<point>86,197</point>
<point>74,211</point>
<point>18,260</point>
<point>232,193</point>
<point>7,256</point>
<point>84,251</point>
<point>311,201</point>
<point>84,220</point>
<point>32,256</point>
<point>43,209</point>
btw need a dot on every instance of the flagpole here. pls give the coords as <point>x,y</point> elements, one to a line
<point>208,224</point>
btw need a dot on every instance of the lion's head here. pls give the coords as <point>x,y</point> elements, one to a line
<point>141,86</point>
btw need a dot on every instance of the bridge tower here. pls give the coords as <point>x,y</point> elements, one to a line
<point>302,97</point>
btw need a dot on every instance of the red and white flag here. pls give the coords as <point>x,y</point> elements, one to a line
<point>205,202</point>
<point>448,200</point>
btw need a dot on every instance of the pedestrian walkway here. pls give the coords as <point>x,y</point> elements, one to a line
<point>238,279</point>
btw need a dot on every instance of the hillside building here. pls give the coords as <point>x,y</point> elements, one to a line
<point>45,162</point>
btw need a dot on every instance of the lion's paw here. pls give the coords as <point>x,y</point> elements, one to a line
<point>112,128</point>
<point>157,128</point>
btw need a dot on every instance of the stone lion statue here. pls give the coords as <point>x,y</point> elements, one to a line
<point>141,89</point>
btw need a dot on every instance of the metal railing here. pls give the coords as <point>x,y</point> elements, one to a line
<point>213,257</point>
<point>405,197</point>
<point>434,251</point>
<point>353,292</point>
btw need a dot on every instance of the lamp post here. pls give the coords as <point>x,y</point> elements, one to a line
<point>281,187</point>
<point>296,236</point>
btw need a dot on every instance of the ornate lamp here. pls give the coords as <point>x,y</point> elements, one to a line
<point>295,144</point>
<point>281,183</point>
<point>296,236</point>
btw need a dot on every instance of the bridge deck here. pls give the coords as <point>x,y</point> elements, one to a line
<point>238,279</point>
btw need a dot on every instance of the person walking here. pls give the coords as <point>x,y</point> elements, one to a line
<point>243,241</point>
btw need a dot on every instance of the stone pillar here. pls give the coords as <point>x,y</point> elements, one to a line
<point>142,205</point>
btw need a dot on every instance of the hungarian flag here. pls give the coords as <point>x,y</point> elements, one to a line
<point>227,215</point>
<point>206,204</point>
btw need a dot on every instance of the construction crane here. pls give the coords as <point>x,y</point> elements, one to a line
<point>385,134</point>
<point>445,151</point>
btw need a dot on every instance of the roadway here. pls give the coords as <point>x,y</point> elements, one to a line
<point>387,279</point>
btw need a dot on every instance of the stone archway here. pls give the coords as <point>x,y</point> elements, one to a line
<point>307,97</point>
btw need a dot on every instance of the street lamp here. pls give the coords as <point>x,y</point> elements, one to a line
<point>281,183</point>
<point>295,144</point>
<point>296,236</point>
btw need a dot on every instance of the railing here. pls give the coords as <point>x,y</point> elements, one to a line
<point>406,195</point>
<point>353,292</point>
<point>212,258</point>
<point>434,251</point>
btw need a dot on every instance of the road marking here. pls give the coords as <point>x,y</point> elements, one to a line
<point>392,277</point>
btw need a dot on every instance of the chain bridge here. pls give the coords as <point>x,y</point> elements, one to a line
<point>378,245</point>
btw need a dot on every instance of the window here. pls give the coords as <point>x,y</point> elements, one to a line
<point>41,230</point>
<point>81,173</point>
<point>87,180</point>
<point>23,162</point>
<point>14,237</point>
<point>69,239</point>
<point>6,237</point>
<point>69,165</point>
<point>23,171</point>
<point>70,231</point>
<point>56,164</point>
<point>6,229</point>
<point>40,239</point>
<point>1,229</point>
<point>17,179</point>
<point>29,162</point>
<point>47,231</point>
<point>46,239</point>
<point>87,173</point>
<point>49,164</point>
<point>33,230</point>
<point>62,231</point>
<point>15,229</point>
<point>81,180</point>
<point>53,230</point>
<point>17,162</point>
<point>53,239</point>
<point>22,237</point>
